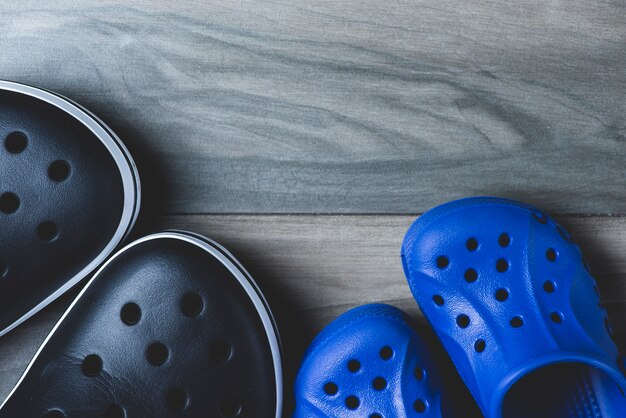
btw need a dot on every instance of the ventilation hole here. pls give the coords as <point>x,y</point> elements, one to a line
<point>419,406</point>
<point>551,255</point>
<point>114,411</point>
<point>354,365</point>
<point>438,299</point>
<point>92,365</point>
<point>471,244</point>
<point>192,304</point>
<point>471,275</point>
<point>379,383</point>
<point>59,171</point>
<point>504,240</point>
<point>540,217</point>
<point>502,265</point>
<point>419,373</point>
<point>48,231</point>
<point>386,353</point>
<point>556,317</point>
<point>176,399</point>
<point>157,354</point>
<point>442,261</point>
<point>4,269</point>
<point>480,346</point>
<point>230,407</point>
<point>502,295</point>
<point>221,351</point>
<point>16,142</point>
<point>463,321</point>
<point>9,203</point>
<point>549,286</point>
<point>55,413</point>
<point>376,415</point>
<point>352,402</point>
<point>331,389</point>
<point>517,322</point>
<point>130,313</point>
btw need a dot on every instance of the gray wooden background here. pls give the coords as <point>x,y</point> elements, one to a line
<point>306,136</point>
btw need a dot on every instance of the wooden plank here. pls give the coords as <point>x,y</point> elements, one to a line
<point>313,268</point>
<point>357,106</point>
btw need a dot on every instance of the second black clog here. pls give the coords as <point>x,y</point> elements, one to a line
<point>172,325</point>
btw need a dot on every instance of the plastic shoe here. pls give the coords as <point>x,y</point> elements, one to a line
<point>516,309</point>
<point>69,195</point>
<point>172,325</point>
<point>368,363</point>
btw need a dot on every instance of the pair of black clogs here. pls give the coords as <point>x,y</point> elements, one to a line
<point>171,324</point>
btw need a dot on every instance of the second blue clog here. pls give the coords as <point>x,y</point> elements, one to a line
<point>514,305</point>
<point>368,363</point>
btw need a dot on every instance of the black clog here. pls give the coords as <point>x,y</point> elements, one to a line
<point>69,195</point>
<point>172,325</point>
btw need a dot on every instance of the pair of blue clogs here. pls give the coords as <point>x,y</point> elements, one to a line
<point>512,302</point>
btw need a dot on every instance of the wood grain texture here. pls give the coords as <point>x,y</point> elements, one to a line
<point>314,268</point>
<point>356,106</point>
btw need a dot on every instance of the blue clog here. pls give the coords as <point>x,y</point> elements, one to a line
<point>515,307</point>
<point>368,363</point>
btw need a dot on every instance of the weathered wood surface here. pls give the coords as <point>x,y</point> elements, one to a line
<point>356,106</point>
<point>313,268</point>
